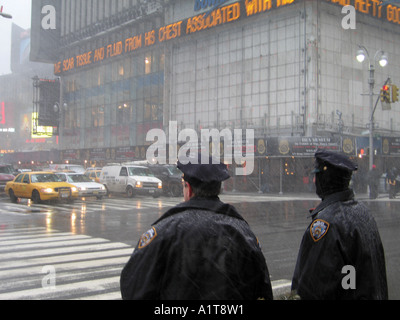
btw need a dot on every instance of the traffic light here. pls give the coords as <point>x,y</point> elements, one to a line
<point>395,93</point>
<point>385,94</point>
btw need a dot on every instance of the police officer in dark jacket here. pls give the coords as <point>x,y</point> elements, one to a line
<point>341,255</point>
<point>200,249</point>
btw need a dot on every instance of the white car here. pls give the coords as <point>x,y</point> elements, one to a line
<point>85,185</point>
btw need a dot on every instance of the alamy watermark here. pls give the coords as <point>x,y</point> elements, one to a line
<point>349,280</point>
<point>350,20</point>
<point>49,17</point>
<point>49,280</point>
<point>236,147</point>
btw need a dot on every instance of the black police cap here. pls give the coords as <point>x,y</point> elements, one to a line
<point>335,159</point>
<point>202,171</point>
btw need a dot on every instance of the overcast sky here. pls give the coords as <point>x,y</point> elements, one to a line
<point>21,12</point>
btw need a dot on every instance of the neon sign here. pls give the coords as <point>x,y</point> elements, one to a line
<point>40,132</point>
<point>2,113</point>
<point>374,8</point>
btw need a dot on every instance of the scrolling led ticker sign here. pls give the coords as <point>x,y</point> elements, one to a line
<point>218,15</point>
<point>211,19</point>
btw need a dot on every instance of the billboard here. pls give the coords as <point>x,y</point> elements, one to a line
<point>20,48</point>
<point>46,102</point>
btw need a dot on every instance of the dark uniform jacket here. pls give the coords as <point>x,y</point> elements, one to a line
<point>200,249</point>
<point>342,233</point>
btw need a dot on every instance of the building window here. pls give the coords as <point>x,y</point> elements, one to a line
<point>98,116</point>
<point>123,113</point>
<point>151,112</point>
<point>147,63</point>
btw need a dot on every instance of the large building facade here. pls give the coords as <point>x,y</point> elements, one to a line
<point>284,68</point>
<point>18,141</point>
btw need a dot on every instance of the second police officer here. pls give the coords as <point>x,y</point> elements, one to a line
<point>341,254</point>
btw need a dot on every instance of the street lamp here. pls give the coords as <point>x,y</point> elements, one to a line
<point>381,57</point>
<point>5,15</point>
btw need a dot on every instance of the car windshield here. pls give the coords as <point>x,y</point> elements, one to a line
<point>174,171</point>
<point>134,171</point>
<point>78,178</point>
<point>45,177</point>
<point>6,170</point>
<point>78,169</point>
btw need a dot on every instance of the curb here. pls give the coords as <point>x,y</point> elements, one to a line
<point>281,288</point>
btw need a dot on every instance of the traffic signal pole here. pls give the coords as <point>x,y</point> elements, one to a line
<point>371,82</point>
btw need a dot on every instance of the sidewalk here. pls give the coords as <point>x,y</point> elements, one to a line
<point>292,196</point>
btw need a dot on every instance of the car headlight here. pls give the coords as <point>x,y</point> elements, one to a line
<point>160,185</point>
<point>103,188</point>
<point>47,190</point>
<point>74,189</point>
<point>82,188</point>
<point>138,184</point>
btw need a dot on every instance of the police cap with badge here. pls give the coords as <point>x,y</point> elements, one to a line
<point>333,172</point>
<point>202,171</point>
<point>334,159</point>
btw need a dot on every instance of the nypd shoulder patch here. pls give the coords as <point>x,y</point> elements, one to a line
<point>147,238</point>
<point>318,229</point>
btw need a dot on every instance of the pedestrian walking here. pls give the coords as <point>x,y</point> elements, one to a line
<point>341,254</point>
<point>200,249</point>
<point>392,182</point>
<point>373,182</point>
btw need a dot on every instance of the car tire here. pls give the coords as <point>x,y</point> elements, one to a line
<point>130,192</point>
<point>108,191</point>
<point>36,197</point>
<point>175,190</point>
<point>13,198</point>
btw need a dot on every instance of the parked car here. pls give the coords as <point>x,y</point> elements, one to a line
<point>171,178</point>
<point>6,175</point>
<point>130,179</point>
<point>86,187</point>
<point>40,186</point>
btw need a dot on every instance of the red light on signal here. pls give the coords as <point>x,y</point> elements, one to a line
<point>2,113</point>
<point>386,88</point>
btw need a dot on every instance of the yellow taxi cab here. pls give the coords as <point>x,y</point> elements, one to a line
<point>40,186</point>
<point>94,175</point>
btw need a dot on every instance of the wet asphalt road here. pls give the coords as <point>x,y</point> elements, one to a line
<point>279,223</point>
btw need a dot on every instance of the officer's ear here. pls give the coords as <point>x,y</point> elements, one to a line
<point>190,190</point>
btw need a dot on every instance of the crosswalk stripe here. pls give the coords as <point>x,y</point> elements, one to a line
<point>63,289</point>
<point>46,244</point>
<point>41,240</point>
<point>84,267</point>
<point>67,261</point>
<point>118,204</point>
<point>34,236</point>
<point>25,254</point>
